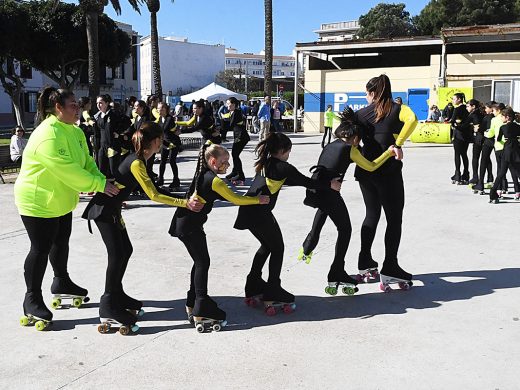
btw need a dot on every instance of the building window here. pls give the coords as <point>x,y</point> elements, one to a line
<point>482,90</point>
<point>30,101</point>
<point>25,71</point>
<point>502,92</point>
<point>119,72</point>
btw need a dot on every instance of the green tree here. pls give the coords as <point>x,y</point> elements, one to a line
<point>386,21</point>
<point>268,72</point>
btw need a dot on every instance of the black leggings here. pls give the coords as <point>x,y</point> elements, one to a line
<point>501,184</point>
<point>328,130</point>
<point>235,153</point>
<point>385,192</point>
<point>119,249</point>
<point>49,240</point>
<point>332,205</point>
<point>485,162</point>
<point>197,247</point>
<point>461,152</point>
<point>172,155</point>
<point>478,150</point>
<point>108,165</point>
<point>270,236</point>
<point>504,166</point>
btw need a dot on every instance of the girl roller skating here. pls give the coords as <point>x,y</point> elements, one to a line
<point>56,166</point>
<point>385,123</point>
<point>237,123</point>
<point>486,141</point>
<point>116,307</point>
<point>462,135</point>
<point>508,135</point>
<point>189,228</point>
<point>273,171</point>
<point>333,163</point>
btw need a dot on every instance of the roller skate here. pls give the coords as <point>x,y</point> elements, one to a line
<point>254,290</point>
<point>160,181</point>
<point>131,304</point>
<point>276,297</point>
<point>478,189</point>
<point>367,270</point>
<point>175,184</point>
<point>35,312</point>
<point>64,288</point>
<point>341,280</point>
<point>394,274</point>
<point>190,303</point>
<point>517,196</point>
<point>206,315</point>
<point>473,181</point>
<point>112,314</point>
<point>455,178</point>
<point>489,183</point>
<point>464,179</point>
<point>303,257</point>
<point>494,196</point>
<point>238,180</point>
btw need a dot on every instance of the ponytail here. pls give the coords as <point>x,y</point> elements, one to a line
<point>207,150</point>
<point>347,128</point>
<point>274,143</point>
<point>49,97</point>
<point>461,96</point>
<point>144,136</point>
<point>382,90</point>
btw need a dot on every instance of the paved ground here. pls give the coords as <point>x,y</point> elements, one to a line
<point>457,327</point>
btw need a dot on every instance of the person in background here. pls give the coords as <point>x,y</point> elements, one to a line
<point>434,114</point>
<point>447,112</point>
<point>330,116</point>
<point>264,117</point>
<point>18,144</point>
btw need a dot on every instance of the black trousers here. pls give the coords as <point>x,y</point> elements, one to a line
<point>238,147</point>
<point>386,192</point>
<point>485,161</point>
<point>49,240</point>
<point>197,247</point>
<point>119,250</point>
<point>461,153</point>
<point>478,150</point>
<point>172,155</point>
<point>108,165</point>
<point>502,183</point>
<point>224,128</point>
<point>268,232</point>
<point>332,205</point>
<point>328,131</point>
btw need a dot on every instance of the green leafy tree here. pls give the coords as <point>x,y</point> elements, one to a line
<point>386,21</point>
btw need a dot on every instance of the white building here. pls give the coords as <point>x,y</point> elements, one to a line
<point>254,64</point>
<point>185,66</point>
<point>337,31</point>
<point>119,82</point>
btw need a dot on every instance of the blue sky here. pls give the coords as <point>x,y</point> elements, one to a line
<point>241,24</point>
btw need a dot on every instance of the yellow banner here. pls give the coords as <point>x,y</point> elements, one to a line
<point>431,132</point>
<point>446,93</point>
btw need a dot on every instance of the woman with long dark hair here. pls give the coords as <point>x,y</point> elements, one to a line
<point>461,137</point>
<point>56,166</point>
<point>385,124</point>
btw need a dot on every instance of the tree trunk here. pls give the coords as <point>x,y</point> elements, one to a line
<point>13,86</point>
<point>268,72</point>
<point>93,54</point>
<point>156,63</point>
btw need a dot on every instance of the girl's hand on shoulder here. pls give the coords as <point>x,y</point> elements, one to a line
<point>391,149</point>
<point>110,189</point>
<point>264,199</point>
<point>194,204</point>
<point>335,185</point>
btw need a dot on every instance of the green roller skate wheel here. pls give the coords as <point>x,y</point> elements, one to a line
<point>56,302</point>
<point>40,325</point>
<point>349,290</point>
<point>24,321</point>
<point>77,302</point>
<point>331,290</point>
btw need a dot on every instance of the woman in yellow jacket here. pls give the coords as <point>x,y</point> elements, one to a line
<point>56,167</point>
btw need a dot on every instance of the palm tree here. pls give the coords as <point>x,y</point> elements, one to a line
<point>153,7</point>
<point>92,10</point>
<point>268,72</point>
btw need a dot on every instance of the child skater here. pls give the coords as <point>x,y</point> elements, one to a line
<point>273,171</point>
<point>333,162</point>
<point>508,135</point>
<point>189,228</point>
<point>115,305</point>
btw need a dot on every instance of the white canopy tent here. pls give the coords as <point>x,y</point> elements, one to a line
<point>212,92</point>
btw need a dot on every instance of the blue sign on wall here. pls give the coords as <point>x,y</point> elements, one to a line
<point>318,102</point>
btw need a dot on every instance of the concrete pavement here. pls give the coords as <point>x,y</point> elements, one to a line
<point>457,327</point>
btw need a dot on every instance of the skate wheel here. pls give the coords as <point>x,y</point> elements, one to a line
<point>404,286</point>
<point>331,290</point>
<point>124,330</point>
<point>349,290</point>
<point>86,299</point>
<point>135,328</point>
<point>103,328</point>
<point>24,321</point>
<point>40,325</point>
<point>270,311</point>
<point>77,302</point>
<point>217,327</point>
<point>288,309</point>
<point>190,319</point>
<point>200,328</point>
<point>385,287</point>
<point>56,302</point>
<point>251,302</point>
<point>140,313</point>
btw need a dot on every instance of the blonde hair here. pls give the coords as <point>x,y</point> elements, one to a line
<point>207,151</point>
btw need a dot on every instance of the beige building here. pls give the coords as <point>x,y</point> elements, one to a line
<point>481,61</point>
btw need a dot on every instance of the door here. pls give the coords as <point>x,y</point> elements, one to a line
<point>418,102</point>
